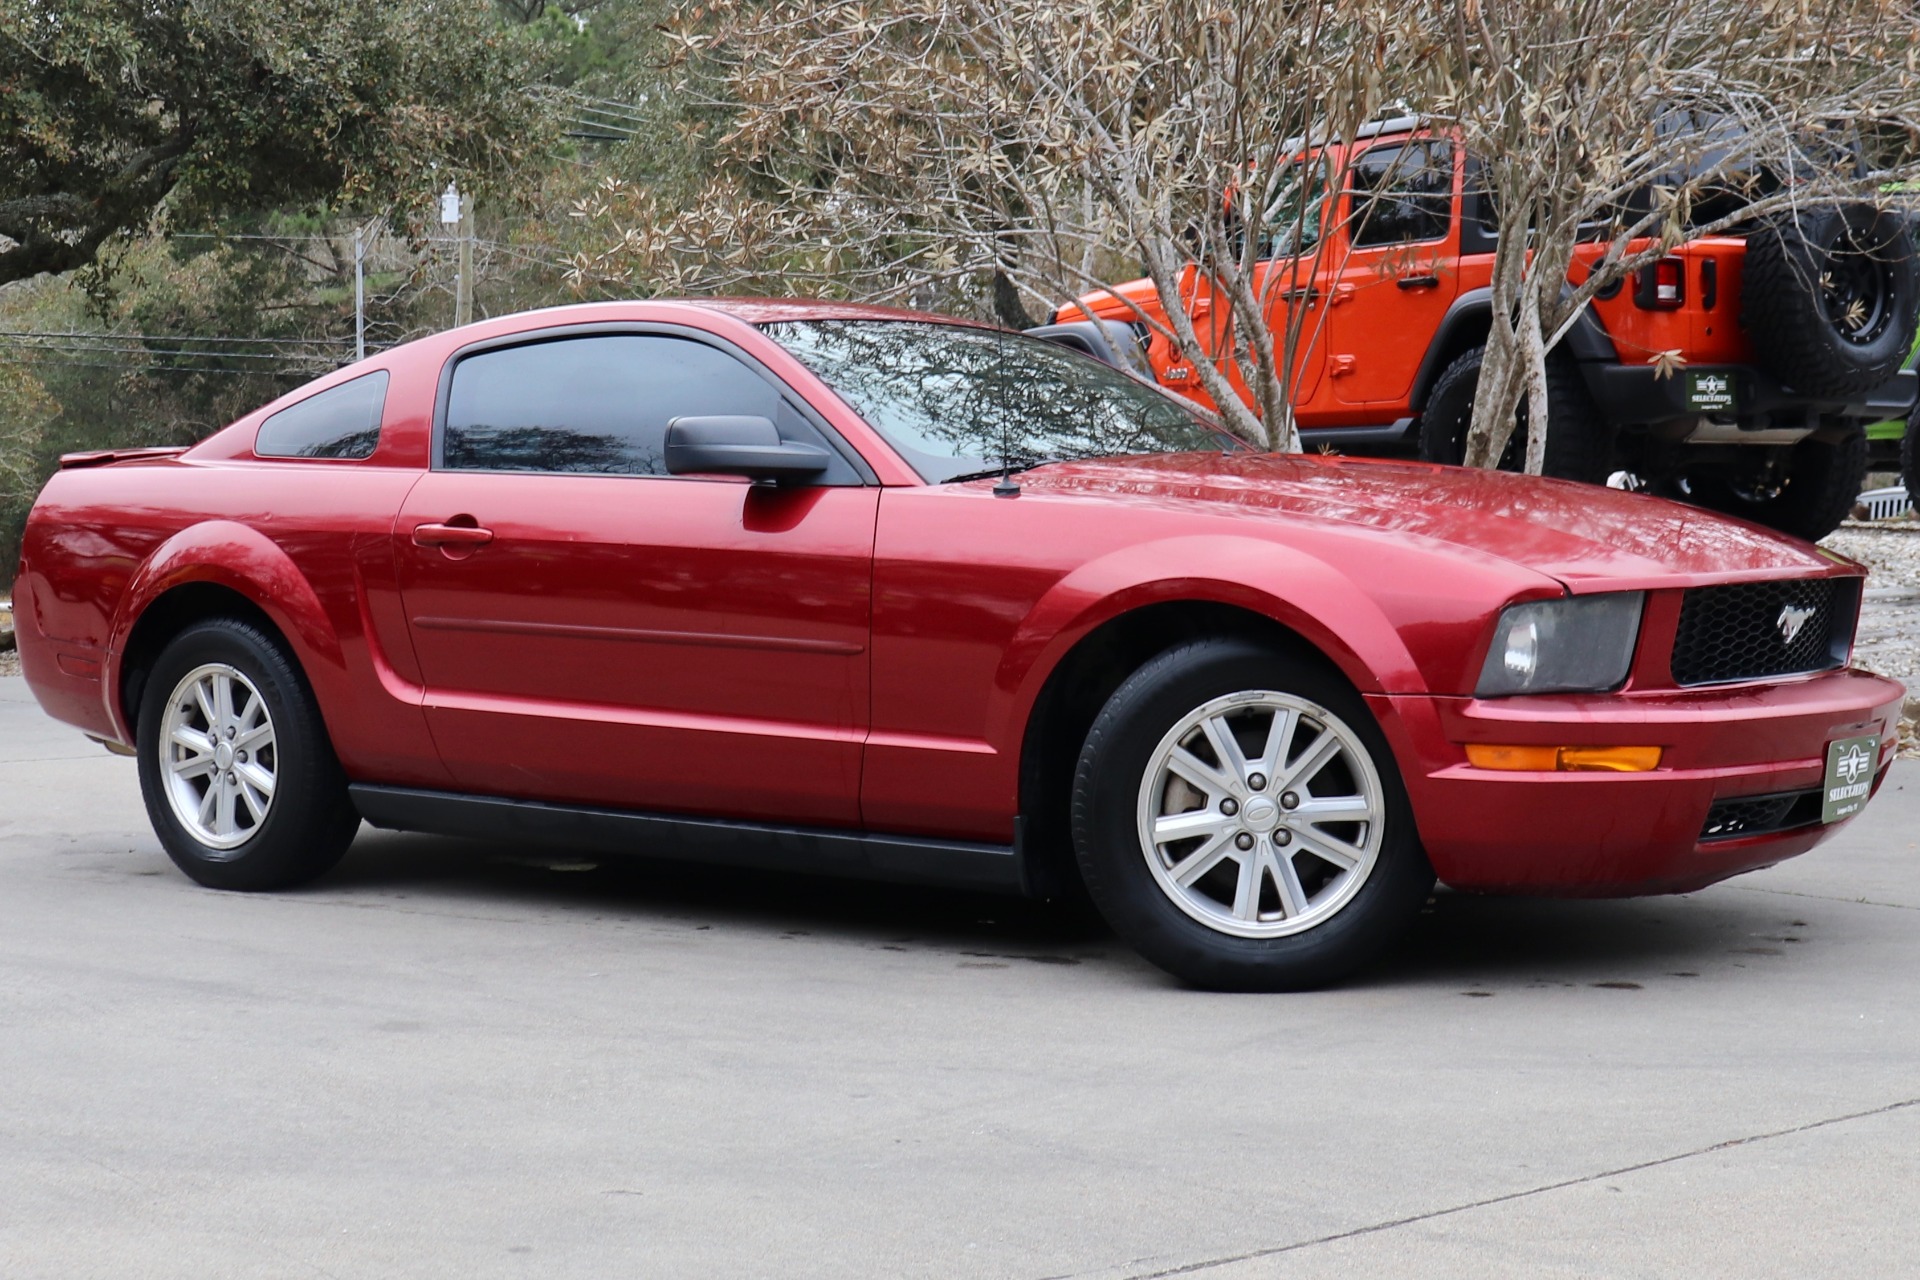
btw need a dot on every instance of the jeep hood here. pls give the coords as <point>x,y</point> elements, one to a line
<point>1587,537</point>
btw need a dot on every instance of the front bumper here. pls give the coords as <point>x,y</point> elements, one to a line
<point>1622,834</point>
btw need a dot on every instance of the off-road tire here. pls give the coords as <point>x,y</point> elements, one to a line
<point>1798,267</point>
<point>1579,440</point>
<point>1910,459</point>
<point>1823,484</point>
<point>310,820</point>
<point>1113,769</point>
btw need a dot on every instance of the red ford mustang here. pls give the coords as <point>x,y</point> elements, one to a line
<point>746,582</point>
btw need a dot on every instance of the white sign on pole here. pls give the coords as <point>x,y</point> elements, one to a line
<point>450,206</point>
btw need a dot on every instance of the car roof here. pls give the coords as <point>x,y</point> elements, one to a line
<point>775,310</point>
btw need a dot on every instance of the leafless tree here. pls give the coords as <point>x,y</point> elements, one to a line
<point>1049,146</point>
<point>1642,123</point>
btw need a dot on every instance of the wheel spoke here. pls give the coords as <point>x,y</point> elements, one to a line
<point>256,803</point>
<point>256,778</point>
<point>1226,748</point>
<point>223,813</point>
<point>1316,757</point>
<point>1200,773</point>
<point>1200,861</point>
<point>1328,849</point>
<point>1280,731</point>
<point>1246,892</point>
<point>193,768</point>
<point>1316,809</point>
<point>203,696</point>
<point>222,703</point>
<point>1185,826</point>
<point>210,801</point>
<point>1293,898</point>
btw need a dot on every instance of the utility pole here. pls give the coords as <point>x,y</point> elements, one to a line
<point>463,295</point>
<point>456,210</point>
<point>360,292</point>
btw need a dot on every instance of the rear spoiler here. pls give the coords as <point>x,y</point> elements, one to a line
<point>107,457</point>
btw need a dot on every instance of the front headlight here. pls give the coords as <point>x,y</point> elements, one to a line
<point>1576,644</point>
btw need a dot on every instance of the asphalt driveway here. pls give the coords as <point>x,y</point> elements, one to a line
<point>450,1059</point>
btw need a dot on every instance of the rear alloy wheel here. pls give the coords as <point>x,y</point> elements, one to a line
<point>240,781</point>
<point>1239,820</point>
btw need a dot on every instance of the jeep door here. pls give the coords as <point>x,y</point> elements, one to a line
<point>1399,239</point>
<point>591,629</point>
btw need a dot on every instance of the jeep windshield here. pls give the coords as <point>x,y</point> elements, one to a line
<point>959,402</point>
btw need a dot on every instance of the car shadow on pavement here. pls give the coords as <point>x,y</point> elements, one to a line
<point>1459,940</point>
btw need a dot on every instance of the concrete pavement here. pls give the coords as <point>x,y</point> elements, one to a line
<point>449,1059</point>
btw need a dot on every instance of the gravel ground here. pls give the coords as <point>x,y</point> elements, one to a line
<point>1889,636</point>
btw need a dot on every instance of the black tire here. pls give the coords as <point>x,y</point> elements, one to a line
<point>309,820</point>
<point>1830,298</point>
<point>1910,459</point>
<point>1579,441</point>
<point>1820,487</point>
<point>1113,774</point>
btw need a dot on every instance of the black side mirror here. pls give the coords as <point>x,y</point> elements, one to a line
<point>739,446</point>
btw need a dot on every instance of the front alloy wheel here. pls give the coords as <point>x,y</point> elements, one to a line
<point>1260,814</point>
<point>1239,819</point>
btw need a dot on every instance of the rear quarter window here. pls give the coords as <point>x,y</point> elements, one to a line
<point>340,422</point>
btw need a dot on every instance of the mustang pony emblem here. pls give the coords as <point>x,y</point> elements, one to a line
<point>1792,618</point>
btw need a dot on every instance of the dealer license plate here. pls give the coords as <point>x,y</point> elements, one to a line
<point>1850,764</point>
<point>1710,392</point>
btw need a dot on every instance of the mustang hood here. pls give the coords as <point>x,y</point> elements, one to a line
<point>1589,538</point>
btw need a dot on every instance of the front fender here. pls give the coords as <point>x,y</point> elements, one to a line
<point>228,554</point>
<point>1294,588</point>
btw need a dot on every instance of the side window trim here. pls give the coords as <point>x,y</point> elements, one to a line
<point>1396,147</point>
<point>384,380</point>
<point>530,337</point>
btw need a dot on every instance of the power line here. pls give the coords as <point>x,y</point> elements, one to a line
<point>164,337</point>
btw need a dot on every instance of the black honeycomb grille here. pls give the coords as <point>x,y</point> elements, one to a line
<point>1759,815</point>
<point>1739,631</point>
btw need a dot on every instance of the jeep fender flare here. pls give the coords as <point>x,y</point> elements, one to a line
<point>1465,325</point>
<point>225,553</point>
<point>1290,587</point>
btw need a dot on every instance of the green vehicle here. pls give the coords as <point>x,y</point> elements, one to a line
<point>1896,445</point>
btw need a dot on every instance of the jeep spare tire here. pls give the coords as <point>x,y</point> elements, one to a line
<point>1830,297</point>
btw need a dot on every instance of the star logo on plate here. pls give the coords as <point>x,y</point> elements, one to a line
<point>1852,765</point>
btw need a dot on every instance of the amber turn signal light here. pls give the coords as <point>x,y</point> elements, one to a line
<point>1483,755</point>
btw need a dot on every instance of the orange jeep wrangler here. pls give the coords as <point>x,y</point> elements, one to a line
<point>1791,339</point>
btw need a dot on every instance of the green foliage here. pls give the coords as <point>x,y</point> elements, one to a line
<point>114,109</point>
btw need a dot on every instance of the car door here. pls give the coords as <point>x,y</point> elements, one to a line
<point>1284,278</point>
<point>1395,280</point>
<point>593,630</point>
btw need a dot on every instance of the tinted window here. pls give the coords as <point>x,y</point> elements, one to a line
<point>1402,193</point>
<point>1293,214</point>
<point>340,422</point>
<point>593,404</point>
<point>955,399</point>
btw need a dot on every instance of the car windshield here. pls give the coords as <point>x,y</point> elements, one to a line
<point>959,401</point>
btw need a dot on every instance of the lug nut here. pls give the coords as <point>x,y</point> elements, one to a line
<point>229,733</point>
<point>1243,841</point>
<point>1291,800</point>
<point>1283,837</point>
<point>1229,807</point>
<point>241,756</point>
<point>1257,781</point>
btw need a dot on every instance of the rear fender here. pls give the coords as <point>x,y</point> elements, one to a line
<point>231,555</point>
